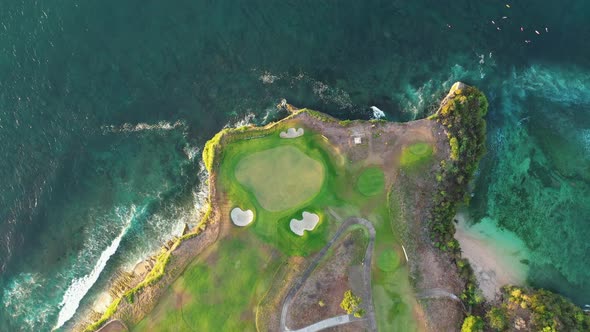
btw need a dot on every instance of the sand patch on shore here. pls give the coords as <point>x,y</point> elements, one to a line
<point>102,302</point>
<point>497,256</point>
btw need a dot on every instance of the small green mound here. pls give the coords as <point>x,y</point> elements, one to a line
<point>388,260</point>
<point>371,181</point>
<point>416,155</point>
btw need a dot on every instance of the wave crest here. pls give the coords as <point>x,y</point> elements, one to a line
<point>142,126</point>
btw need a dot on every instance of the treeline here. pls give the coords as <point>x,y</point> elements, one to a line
<point>462,115</point>
<point>526,309</point>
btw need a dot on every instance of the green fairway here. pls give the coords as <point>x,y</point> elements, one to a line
<point>416,155</point>
<point>214,294</point>
<point>281,177</point>
<point>388,260</point>
<point>371,181</point>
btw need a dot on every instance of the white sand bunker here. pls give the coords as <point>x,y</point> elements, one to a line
<point>240,217</point>
<point>308,223</point>
<point>291,133</point>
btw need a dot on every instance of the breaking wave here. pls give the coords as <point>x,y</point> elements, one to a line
<point>132,128</point>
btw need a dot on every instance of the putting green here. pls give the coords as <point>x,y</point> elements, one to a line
<point>388,260</point>
<point>371,181</point>
<point>416,154</point>
<point>281,178</point>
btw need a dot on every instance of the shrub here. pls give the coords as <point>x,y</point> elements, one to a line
<point>472,324</point>
<point>351,304</point>
<point>454,148</point>
<point>497,319</point>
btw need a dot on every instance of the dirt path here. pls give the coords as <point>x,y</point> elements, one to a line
<point>344,319</point>
<point>435,293</point>
<point>326,323</point>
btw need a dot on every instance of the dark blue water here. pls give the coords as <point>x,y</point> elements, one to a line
<point>104,108</point>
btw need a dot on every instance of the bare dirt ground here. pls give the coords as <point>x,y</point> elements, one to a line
<point>430,267</point>
<point>114,326</point>
<point>327,284</point>
<point>364,290</point>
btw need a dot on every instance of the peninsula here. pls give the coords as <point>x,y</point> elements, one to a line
<point>314,222</point>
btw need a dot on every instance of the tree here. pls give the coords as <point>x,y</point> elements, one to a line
<point>351,304</point>
<point>472,324</point>
<point>497,319</point>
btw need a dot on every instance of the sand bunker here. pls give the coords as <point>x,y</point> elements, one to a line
<point>291,133</point>
<point>240,217</point>
<point>308,223</point>
<point>496,255</point>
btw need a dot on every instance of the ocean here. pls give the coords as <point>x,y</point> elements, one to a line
<point>105,107</point>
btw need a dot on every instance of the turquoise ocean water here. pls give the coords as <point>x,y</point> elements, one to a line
<point>105,107</point>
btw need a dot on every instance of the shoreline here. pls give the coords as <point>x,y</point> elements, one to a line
<point>136,298</point>
<point>497,256</point>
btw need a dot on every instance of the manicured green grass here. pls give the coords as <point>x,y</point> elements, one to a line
<point>281,177</point>
<point>392,292</point>
<point>216,294</point>
<point>371,181</point>
<point>415,156</point>
<point>222,292</point>
<point>273,217</point>
<point>388,260</point>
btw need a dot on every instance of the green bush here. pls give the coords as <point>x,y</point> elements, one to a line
<point>351,304</point>
<point>462,117</point>
<point>498,319</point>
<point>547,311</point>
<point>454,148</point>
<point>472,324</point>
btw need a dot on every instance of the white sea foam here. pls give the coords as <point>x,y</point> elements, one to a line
<point>377,113</point>
<point>269,112</point>
<point>18,299</point>
<point>245,121</point>
<point>564,85</point>
<point>130,128</point>
<point>191,151</point>
<point>268,78</point>
<point>80,287</point>
<point>330,94</point>
<point>170,223</point>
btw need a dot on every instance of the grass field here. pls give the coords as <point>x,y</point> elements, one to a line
<point>371,181</point>
<point>256,168</point>
<point>416,155</point>
<point>392,292</point>
<point>217,293</point>
<point>279,179</point>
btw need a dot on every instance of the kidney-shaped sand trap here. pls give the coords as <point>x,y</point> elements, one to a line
<point>308,223</point>
<point>291,133</point>
<point>281,178</point>
<point>240,217</point>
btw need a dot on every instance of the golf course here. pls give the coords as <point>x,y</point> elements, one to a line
<point>306,214</point>
<point>286,196</point>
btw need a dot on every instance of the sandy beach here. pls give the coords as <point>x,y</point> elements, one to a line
<point>497,256</point>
